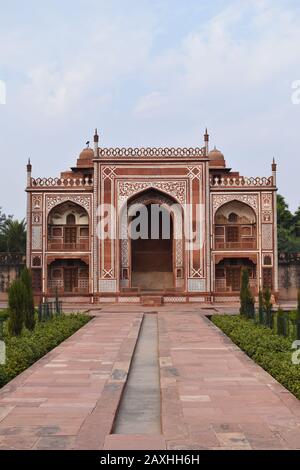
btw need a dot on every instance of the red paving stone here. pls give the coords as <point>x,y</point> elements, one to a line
<point>213,395</point>
<point>218,397</point>
<point>54,403</point>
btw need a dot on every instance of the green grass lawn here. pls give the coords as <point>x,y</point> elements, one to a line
<point>265,347</point>
<point>25,350</point>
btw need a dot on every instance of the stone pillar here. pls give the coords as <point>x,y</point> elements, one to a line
<point>28,215</point>
<point>274,171</point>
<point>94,238</point>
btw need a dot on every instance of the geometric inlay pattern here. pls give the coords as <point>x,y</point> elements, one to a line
<point>196,285</point>
<point>83,200</point>
<point>220,199</point>
<point>267,236</point>
<point>106,285</point>
<point>177,189</point>
<point>37,238</point>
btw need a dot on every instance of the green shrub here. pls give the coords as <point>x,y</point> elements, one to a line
<point>24,350</point>
<point>29,312</point>
<point>16,299</point>
<point>247,307</point>
<point>4,314</point>
<point>270,351</point>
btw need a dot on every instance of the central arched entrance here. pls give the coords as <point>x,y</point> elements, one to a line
<point>151,243</point>
<point>152,248</point>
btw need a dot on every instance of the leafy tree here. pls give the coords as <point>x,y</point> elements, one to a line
<point>16,296</point>
<point>3,219</point>
<point>284,216</point>
<point>288,227</point>
<point>297,223</point>
<point>13,234</point>
<point>247,307</point>
<point>29,312</point>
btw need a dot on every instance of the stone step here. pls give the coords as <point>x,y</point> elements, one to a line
<point>152,300</point>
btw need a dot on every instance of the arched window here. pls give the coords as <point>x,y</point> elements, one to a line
<point>71,220</point>
<point>232,218</point>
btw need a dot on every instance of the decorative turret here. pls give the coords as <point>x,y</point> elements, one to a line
<point>96,143</point>
<point>274,171</point>
<point>206,142</point>
<point>29,171</point>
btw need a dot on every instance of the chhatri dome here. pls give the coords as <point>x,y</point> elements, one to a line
<point>216,158</point>
<point>85,159</point>
<point>86,154</point>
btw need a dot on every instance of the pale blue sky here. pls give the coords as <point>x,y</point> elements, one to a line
<point>148,73</point>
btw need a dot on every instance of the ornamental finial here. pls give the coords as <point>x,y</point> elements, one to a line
<point>96,136</point>
<point>206,142</point>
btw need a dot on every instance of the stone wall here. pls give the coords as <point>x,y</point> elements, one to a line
<point>10,268</point>
<point>289,275</point>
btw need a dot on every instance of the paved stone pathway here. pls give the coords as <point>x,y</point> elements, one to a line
<point>213,396</point>
<point>70,397</point>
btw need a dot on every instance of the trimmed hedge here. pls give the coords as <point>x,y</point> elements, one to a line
<point>272,352</point>
<point>4,314</point>
<point>25,350</point>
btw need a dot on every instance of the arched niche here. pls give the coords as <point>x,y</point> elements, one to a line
<point>68,227</point>
<point>235,227</point>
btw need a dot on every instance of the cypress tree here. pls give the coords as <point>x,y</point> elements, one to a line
<point>244,283</point>
<point>261,307</point>
<point>57,302</point>
<point>268,308</point>
<point>29,312</point>
<point>247,304</point>
<point>298,306</point>
<point>16,297</point>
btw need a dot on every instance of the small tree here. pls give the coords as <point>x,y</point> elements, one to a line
<point>57,301</point>
<point>247,307</point>
<point>268,307</point>
<point>261,307</point>
<point>281,323</point>
<point>16,296</point>
<point>29,312</point>
<point>296,313</point>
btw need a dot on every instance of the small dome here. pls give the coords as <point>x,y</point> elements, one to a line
<point>216,155</point>
<point>86,154</point>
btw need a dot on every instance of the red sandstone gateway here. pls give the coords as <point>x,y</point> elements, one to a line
<point>238,227</point>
